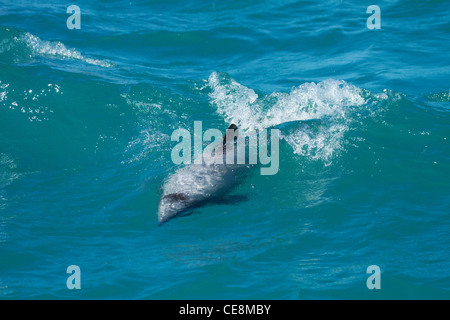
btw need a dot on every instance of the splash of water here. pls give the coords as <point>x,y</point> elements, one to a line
<point>336,102</point>
<point>57,49</point>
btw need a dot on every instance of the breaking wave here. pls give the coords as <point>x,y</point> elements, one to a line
<point>337,105</point>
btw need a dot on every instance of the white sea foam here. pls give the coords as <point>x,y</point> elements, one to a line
<point>144,144</point>
<point>333,100</point>
<point>57,49</point>
<point>8,175</point>
<point>147,140</point>
<point>7,167</point>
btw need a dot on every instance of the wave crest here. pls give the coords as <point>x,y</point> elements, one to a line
<point>336,102</point>
<point>57,49</point>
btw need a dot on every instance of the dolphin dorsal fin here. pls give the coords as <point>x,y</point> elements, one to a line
<point>231,127</point>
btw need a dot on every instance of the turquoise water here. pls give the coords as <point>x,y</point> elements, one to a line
<point>86,117</point>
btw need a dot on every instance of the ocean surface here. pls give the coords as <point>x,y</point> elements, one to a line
<point>86,118</point>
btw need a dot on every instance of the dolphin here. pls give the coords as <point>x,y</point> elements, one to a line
<point>195,185</point>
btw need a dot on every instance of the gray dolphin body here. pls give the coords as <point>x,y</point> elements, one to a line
<point>197,184</point>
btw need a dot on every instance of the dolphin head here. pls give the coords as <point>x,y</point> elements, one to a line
<point>171,205</point>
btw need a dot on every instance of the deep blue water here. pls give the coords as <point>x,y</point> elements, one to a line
<point>86,117</point>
